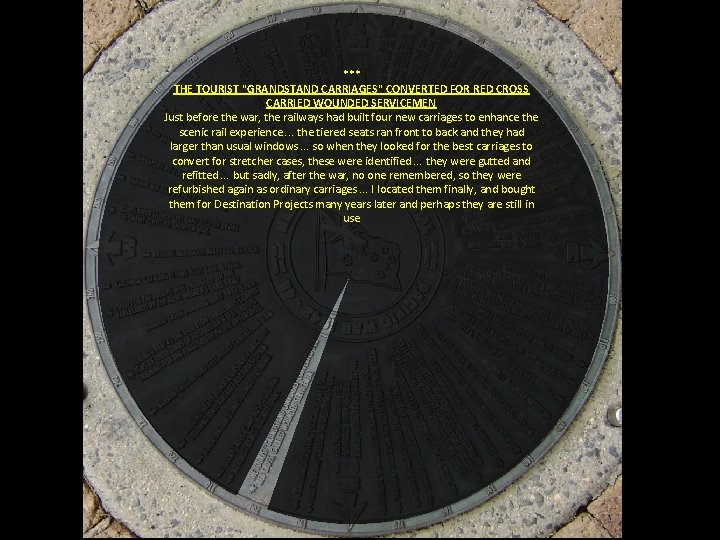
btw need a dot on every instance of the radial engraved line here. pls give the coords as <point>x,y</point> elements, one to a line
<point>262,478</point>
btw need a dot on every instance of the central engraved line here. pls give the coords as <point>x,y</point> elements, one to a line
<point>262,478</point>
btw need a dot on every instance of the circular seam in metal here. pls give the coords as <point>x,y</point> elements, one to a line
<point>601,350</point>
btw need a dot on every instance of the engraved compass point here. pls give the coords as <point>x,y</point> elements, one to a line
<point>260,482</point>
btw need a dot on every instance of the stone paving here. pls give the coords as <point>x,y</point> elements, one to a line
<point>96,522</point>
<point>105,20</point>
<point>597,22</point>
<point>603,518</point>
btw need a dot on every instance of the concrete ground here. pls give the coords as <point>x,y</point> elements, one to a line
<point>596,22</point>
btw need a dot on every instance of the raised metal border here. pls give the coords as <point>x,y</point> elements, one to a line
<point>421,520</point>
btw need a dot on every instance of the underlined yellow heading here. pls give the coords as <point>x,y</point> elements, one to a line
<point>351,89</point>
<point>350,103</point>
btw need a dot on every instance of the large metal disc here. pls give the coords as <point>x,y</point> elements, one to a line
<point>344,390</point>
